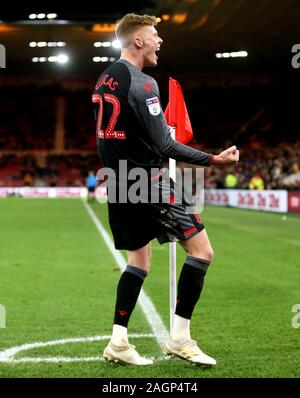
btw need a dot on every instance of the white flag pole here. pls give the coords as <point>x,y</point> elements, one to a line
<point>172,246</point>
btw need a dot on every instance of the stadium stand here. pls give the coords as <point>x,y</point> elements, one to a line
<point>47,134</point>
<point>27,118</point>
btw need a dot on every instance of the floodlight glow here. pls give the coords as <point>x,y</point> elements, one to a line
<point>104,59</point>
<point>239,54</point>
<point>60,44</point>
<point>42,44</point>
<point>35,59</point>
<point>97,44</point>
<point>32,44</point>
<point>233,54</point>
<point>32,16</point>
<point>62,58</point>
<point>106,44</point>
<point>51,16</point>
<point>116,44</point>
<point>43,59</point>
<point>41,16</point>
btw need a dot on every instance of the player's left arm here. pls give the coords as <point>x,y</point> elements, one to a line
<point>147,106</point>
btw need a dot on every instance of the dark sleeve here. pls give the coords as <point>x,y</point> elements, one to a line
<point>156,126</point>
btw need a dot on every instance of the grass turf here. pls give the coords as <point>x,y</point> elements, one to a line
<point>58,280</point>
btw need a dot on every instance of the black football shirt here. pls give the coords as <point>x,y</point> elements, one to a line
<point>131,124</point>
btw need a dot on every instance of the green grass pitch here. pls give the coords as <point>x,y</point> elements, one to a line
<point>58,280</point>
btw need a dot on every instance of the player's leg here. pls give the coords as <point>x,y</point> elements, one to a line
<point>89,194</point>
<point>191,280</point>
<point>140,258</point>
<point>198,246</point>
<point>92,194</point>
<point>128,290</point>
<point>130,284</point>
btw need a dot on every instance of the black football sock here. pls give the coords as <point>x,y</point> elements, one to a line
<point>128,292</point>
<point>190,285</point>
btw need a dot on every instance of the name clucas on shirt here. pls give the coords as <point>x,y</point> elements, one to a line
<point>108,81</point>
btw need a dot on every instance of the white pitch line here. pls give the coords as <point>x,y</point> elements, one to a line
<point>152,316</point>
<point>54,360</point>
<point>7,356</point>
<point>70,359</point>
<point>145,302</point>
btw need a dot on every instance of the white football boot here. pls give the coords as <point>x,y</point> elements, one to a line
<point>126,355</point>
<point>189,350</point>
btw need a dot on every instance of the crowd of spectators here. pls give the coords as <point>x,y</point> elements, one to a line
<point>79,121</point>
<point>51,171</point>
<point>27,118</point>
<point>260,120</point>
<point>271,168</point>
<point>263,168</point>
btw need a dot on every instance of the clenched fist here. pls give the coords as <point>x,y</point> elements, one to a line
<point>228,156</point>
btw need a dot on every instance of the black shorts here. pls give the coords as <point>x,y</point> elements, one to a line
<point>134,225</point>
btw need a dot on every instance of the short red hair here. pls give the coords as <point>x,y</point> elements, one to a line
<point>129,24</point>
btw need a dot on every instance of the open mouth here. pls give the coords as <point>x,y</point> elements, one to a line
<point>156,51</point>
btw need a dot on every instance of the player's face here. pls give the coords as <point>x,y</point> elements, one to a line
<point>151,44</point>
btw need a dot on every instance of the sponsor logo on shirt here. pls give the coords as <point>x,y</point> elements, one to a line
<point>153,106</point>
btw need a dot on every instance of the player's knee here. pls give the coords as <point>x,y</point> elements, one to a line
<point>140,258</point>
<point>150,256</point>
<point>205,253</point>
<point>146,264</point>
<point>209,253</point>
<point>143,262</point>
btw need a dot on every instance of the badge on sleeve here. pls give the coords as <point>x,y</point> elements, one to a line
<point>153,106</point>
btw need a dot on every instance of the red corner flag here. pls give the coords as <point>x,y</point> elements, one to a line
<point>176,113</point>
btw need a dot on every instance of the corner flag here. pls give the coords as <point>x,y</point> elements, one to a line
<point>176,113</point>
<point>181,130</point>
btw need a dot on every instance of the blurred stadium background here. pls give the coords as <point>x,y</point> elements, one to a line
<point>237,64</point>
